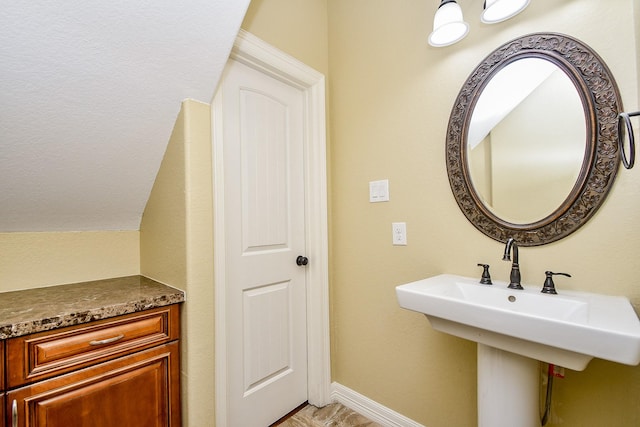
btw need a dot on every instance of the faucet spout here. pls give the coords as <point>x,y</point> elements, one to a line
<point>511,245</point>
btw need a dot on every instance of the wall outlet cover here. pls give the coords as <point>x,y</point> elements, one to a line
<point>399,231</point>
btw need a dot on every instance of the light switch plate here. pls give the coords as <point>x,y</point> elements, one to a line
<point>379,191</point>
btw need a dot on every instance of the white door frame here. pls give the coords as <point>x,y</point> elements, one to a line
<point>259,55</point>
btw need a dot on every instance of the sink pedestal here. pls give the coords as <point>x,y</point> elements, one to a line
<point>508,389</point>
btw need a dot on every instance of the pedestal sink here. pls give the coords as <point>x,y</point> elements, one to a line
<point>516,328</point>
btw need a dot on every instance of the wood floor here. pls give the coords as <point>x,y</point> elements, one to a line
<point>333,415</point>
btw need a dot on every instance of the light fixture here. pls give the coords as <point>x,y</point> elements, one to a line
<point>448,25</point>
<point>500,10</point>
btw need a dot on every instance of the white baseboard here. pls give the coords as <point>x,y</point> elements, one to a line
<point>370,409</point>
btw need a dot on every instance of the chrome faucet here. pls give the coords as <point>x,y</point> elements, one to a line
<point>515,267</point>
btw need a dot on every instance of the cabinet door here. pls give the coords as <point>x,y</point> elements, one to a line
<point>2,400</point>
<point>1,366</point>
<point>140,390</point>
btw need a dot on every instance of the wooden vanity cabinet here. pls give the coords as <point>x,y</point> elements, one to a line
<point>117,372</point>
<point>2,399</point>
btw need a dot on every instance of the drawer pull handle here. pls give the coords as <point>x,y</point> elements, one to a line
<point>14,413</point>
<point>107,341</point>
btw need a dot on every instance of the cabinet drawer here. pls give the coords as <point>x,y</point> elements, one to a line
<point>46,354</point>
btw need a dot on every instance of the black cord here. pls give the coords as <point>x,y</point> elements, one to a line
<point>547,403</point>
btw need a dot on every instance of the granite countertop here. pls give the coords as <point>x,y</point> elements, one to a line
<point>42,309</point>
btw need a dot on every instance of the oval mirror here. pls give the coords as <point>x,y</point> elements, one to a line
<point>532,139</point>
<point>526,142</point>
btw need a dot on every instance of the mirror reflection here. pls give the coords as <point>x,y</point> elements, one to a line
<point>526,141</point>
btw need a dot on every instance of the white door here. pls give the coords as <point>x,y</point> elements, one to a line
<point>264,210</point>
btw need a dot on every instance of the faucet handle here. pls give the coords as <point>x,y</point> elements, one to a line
<point>486,277</point>
<point>549,287</point>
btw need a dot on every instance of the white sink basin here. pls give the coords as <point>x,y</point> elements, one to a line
<point>568,329</point>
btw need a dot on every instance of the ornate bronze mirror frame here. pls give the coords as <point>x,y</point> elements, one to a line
<point>601,102</point>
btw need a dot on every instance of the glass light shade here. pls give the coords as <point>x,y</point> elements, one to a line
<point>501,10</point>
<point>448,25</point>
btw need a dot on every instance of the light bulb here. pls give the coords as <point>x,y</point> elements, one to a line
<point>448,25</point>
<point>500,10</point>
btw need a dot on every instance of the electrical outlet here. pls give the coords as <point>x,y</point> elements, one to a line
<point>399,230</point>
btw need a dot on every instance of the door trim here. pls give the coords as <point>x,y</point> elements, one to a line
<point>255,53</point>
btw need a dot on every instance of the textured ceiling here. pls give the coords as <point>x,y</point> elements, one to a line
<point>89,93</point>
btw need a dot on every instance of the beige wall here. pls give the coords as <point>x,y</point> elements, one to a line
<point>163,226</point>
<point>391,96</point>
<point>176,241</point>
<point>30,260</point>
<point>298,28</point>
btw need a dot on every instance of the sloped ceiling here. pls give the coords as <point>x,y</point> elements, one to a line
<point>89,93</point>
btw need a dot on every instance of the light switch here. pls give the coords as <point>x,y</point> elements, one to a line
<point>399,230</point>
<point>379,191</point>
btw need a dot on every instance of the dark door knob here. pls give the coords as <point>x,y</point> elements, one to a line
<point>302,260</point>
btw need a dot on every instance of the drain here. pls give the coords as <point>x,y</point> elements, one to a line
<point>511,298</point>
